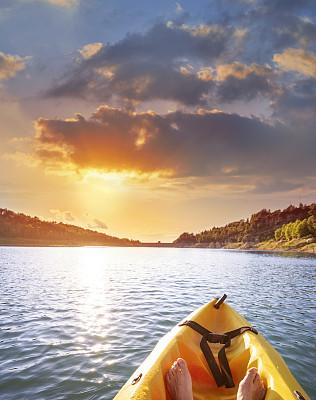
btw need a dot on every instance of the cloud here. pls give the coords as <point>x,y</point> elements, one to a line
<point>153,65</point>
<point>98,224</point>
<point>90,50</point>
<point>178,144</point>
<point>241,71</point>
<point>10,65</point>
<point>148,66</point>
<point>289,26</point>
<point>296,30</point>
<point>296,105</point>
<point>65,216</point>
<point>68,217</point>
<point>238,81</point>
<point>206,73</point>
<point>179,9</point>
<point>298,60</point>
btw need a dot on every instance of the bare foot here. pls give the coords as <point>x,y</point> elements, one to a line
<point>251,387</point>
<point>179,383</point>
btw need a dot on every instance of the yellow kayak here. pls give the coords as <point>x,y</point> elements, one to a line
<point>216,368</point>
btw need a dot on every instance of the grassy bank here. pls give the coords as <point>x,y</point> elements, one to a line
<point>277,245</point>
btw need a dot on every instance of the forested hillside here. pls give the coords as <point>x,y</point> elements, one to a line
<point>20,226</point>
<point>260,227</point>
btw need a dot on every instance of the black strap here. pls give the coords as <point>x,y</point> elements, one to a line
<point>222,373</point>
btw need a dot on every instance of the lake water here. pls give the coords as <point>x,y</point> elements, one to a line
<point>76,322</point>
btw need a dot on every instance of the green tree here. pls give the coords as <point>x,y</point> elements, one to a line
<point>311,222</point>
<point>302,229</point>
<point>289,231</point>
<point>278,234</point>
<point>295,225</point>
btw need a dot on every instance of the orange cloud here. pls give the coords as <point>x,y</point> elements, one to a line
<point>299,60</point>
<point>89,50</point>
<point>238,81</point>
<point>178,144</point>
<point>111,140</point>
<point>10,65</point>
<point>240,71</point>
<point>206,73</point>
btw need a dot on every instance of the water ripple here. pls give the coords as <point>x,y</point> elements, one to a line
<point>76,322</point>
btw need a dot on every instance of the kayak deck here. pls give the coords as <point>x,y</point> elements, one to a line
<point>246,351</point>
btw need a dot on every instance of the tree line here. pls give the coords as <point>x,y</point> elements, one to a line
<point>260,227</point>
<point>20,226</point>
<point>297,230</point>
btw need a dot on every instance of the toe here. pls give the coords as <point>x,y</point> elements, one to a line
<point>262,393</point>
<point>257,379</point>
<point>182,364</point>
<point>252,374</point>
<point>171,372</point>
<point>252,371</point>
<point>176,368</point>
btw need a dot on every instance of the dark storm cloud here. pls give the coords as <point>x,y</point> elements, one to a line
<point>73,87</point>
<point>244,89</point>
<point>180,144</point>
<point>273,26</point>
<point>163,62</point>
<point>241,82</point>
<point>165,42</point>
<point>294,31</point>
<point>142,82</point>
<point>297,104</point>
<point>149,66</point>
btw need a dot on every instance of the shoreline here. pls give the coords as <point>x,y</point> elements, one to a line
<point>296,245</point>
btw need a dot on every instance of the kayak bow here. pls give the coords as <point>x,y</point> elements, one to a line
<point>205,340</point>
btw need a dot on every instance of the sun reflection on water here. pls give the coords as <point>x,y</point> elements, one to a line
<point>94,306</point>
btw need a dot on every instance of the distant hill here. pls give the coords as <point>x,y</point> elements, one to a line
<point>260,227</point>
<point>20,228</point>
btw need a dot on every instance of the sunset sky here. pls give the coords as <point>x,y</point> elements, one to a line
<point>146,119</point>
